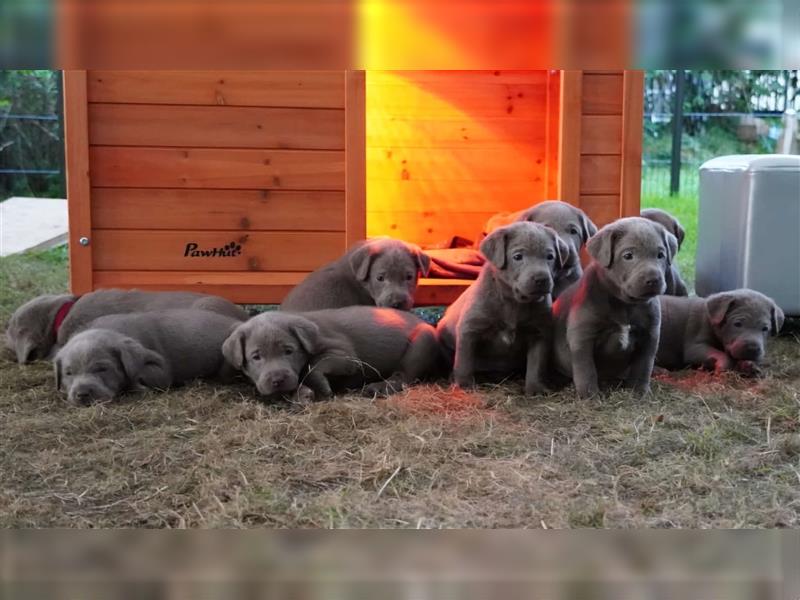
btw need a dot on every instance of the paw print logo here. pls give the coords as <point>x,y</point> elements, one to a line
<point>233,249</point>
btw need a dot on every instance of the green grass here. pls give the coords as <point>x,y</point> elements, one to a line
<point>684,208</point>
<point>702,451</point>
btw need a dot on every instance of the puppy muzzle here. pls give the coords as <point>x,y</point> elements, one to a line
<point>83,394</point>
<point>397,302</point>
<point>277,382</point>
<point>746,350</point>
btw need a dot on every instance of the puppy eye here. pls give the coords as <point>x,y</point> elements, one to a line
<point>288,350</point>
<point>628,256</point>
<point>738,324</point>
<point>661,254</point>
<point>573,231</point>
<point>765,329</point>
<point>551,256</point>
<point>100,369</point>
<point>255,356</point>
<point>409,277</point>
<point>380,278</point>
<point>68,372</point>
<point>517,256</point>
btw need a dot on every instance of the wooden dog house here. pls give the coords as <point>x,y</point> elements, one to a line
<point>240,183</point>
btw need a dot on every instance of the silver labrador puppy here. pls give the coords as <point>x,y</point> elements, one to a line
<point>675,283</point>
<point>607,324</point>
<point>335,349</point>
<point>725,331</point>
<point>573,227</point>
<point>502,323</point>
<point>142,350</point>
<point>378,272</point>
<point>48,321</point>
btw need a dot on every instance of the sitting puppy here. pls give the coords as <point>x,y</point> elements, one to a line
<point>502,323</point>
<point>607,324</point>
<point>48,321</point>
<point>722,332</point>
<point>378,272</point>
<point>573,227</point>
<point>675,284</point>
<point>141,350</point>
<point>333,349</point>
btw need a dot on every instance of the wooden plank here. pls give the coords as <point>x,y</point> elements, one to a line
<point>145,250</point>
<point>356,157</point>
<point>602,209</point>
<point>601,134</point>
<point>448,196</point>
<point>600,174</point>
<point>552,133</point>
<point>569,150</point>
<point>631,176</point>
<point>115,166</point>
<point>439,292</point>
<point>602,94</point>
<point>413,132</point>
<point>216,126</point>
<point>471,77</point>
<point>78,185</point>
<point>429,227</point>
<point>237,286</point>
<point>308,89</point>
<point>462,164</point>
<point>141,208</point>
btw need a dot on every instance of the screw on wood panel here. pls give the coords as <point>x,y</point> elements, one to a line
<point>84,241</point>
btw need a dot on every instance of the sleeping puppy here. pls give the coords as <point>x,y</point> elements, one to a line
<point>722,332</point>
<point>573,227</point>
<point>502,323</point>
<point>675,284</point>
<point>378,272</point>
<point>607,324</point>
<point>135,351</point>
<point>48,321</point>
<point>332,350</point>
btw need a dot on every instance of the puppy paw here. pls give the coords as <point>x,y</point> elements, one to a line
<point>586,392</point>
<point>536,388</point>
<point>640,390</point>
<point>465,382</point>
<point>749,369</point>
<point>383,388</point>
<point>305,395</point>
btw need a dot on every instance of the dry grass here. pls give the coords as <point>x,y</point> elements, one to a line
<point>701,452</point>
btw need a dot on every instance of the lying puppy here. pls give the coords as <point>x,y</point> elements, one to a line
<point>722,332</point>
<point>607,324</point>
<point>675,284</point>
<point>333,349</point>
<point>573,227</point>
<point>378,272</point>
<point>48,321</point>
<point>502,323</point>
<point>141,350</point>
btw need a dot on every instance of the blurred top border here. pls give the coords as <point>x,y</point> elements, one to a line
<point>399,34</point>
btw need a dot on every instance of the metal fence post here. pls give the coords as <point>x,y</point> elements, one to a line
<point>677,130</point>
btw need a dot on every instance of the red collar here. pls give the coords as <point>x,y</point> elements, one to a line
<point>61,315</point>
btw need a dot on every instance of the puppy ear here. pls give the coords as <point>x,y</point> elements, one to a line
<point>141,365</point>
<point>679,232</point>
<point>718,306</point>
<point>776,318</point>
<point>561,248</point>
<point>360,260</point>
<point>601,245</point>
<point>423,262</point>
<point>671,243</point>
<point>233,348</point>
<point>493,247</point>
<point>307,333</point>
<point>588,228</point>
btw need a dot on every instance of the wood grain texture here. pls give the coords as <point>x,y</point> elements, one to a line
<point>116,166</point>
<point>138,208</point>
<point>601,134</point>
<point>552,133</point>
<point>308,89</point>
<point>601,208</point>
<point>216,126</point>
<point>631,176</point>
<point>600,174</point>
<point>438,292</point>
<point>428,227</point>
<point>450,197</point>
<point>145,250</point>
<point>78,185</point>
<point>569,150</point>
<point>356,157</point>
<point>602,93</point>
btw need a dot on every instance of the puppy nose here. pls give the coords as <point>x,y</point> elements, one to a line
<point>752,346</point>
<point>277,380</point>
<point>652,281</point>
<point>83,397</point>
<point>396,304</point>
